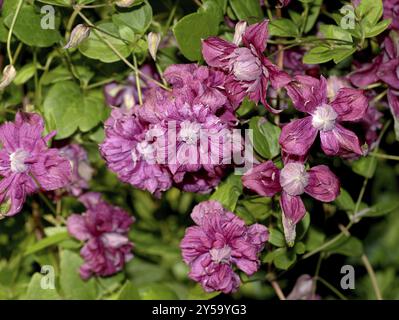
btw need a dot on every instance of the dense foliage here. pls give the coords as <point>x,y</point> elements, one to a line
<point>108,192</point>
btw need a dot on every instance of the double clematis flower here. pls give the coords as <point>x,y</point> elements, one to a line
<point>104,230</point>
<point>248,70</point>
<point>219,241</point>
<point>325,117</point>
<point>27,164</point>
<point>292,181</point>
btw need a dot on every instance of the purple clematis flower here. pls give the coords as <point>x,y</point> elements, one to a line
<point>26,163</point>
<point>125,95</point>
<point>104,230</point>
<point>292,181</point>
<point>81,169</point>
<point>248,70</point>
<point>309,95</point>
<point>391,11</point>
<point>131,155</point>
<point>219,241</point>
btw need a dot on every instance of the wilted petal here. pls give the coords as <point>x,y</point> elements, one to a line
<point>216,51</point>
<point>298,136</point>
<point>256,34</point>
<point>153,40</point>
<point>303,289</point>
<point>263,179</point>
<point>9,74</point>
<point>322,185</point>
<point>350,104</point>
<point>78,35</point>
<point>293,210</point>
<point>340,142</point>
<point>239,31</point>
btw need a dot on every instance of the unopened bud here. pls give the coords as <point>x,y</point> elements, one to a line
<point>9,74</point>
<point>239,31</point>
<point>78,35</point>
<point>124,3</point>
<point>153,40</point>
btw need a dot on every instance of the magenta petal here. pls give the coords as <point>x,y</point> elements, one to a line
<point>340,142</point>
<point>263,179</point>
<point>293,210</point>
<point>216,50</point>
<point>307,93</point>
<point>350,104</point>
<point>367,74</point>
<point>298,136</point>
<point>389,74</point>
<point>76,226</point>
<point>256,34</point>
<point>322,185</point>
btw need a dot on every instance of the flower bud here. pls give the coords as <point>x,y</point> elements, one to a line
<point>239,31</point>
<point>78,35</point>
<point>153,40</point>
<point>124,3</point>
<point>9,74</point>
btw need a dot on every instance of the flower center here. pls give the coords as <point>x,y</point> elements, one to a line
<point>145,149</point>
<point>246,67</point>
<point>324,117</point>
<point>189,132</point>
<point>221,255</point>
<point>17,161</point>
<point>294,178</point>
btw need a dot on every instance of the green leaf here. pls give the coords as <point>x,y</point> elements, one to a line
<point>314,12</point>
<point>156,291</point>
<point>320,54</point>
<point>254,209</point>
<point>314,239</point>
<point>247,9</point>
<point>284,259</point>
<point>68,108</point>
<point>25,73</point>
<point>28,28</point>
<point>265,137</point>
<point>47,242</point>
<point>302,227</point>
<point>191,29</point>
<point>73,287</point>
<point>344,201</point>
<point>3,31</point>
<point>95,48</point>
<point>348,246</point>
<point>378,28</point>
<point>276,237</point>
<point>370,11</point>
<point>383,207</point>
<point>283,28</point>
<point>365,166</point>
<point>35,291</point>
<point>198,293</point>
<point>128,292</point>
<point>138,19</point>
<point>228,192</point>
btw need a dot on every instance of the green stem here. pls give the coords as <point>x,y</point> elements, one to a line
<point>373,278</point>
<point>109,44</point>
<point>14,19</point>
<point>332,288</point>
<point>137,80</point>
<point>384,156</point>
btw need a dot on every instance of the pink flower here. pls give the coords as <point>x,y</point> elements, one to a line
<point>131,155</point>
<point>104,229</point>
<point>125,95</point>
<point>26,163</point>
<point>248,70</point>
<point>219,241</point>
<point>303,289</point>
<point>81,169</point>
<point>391,11</point>
<point>309,95</point>
<point>292,181</point>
